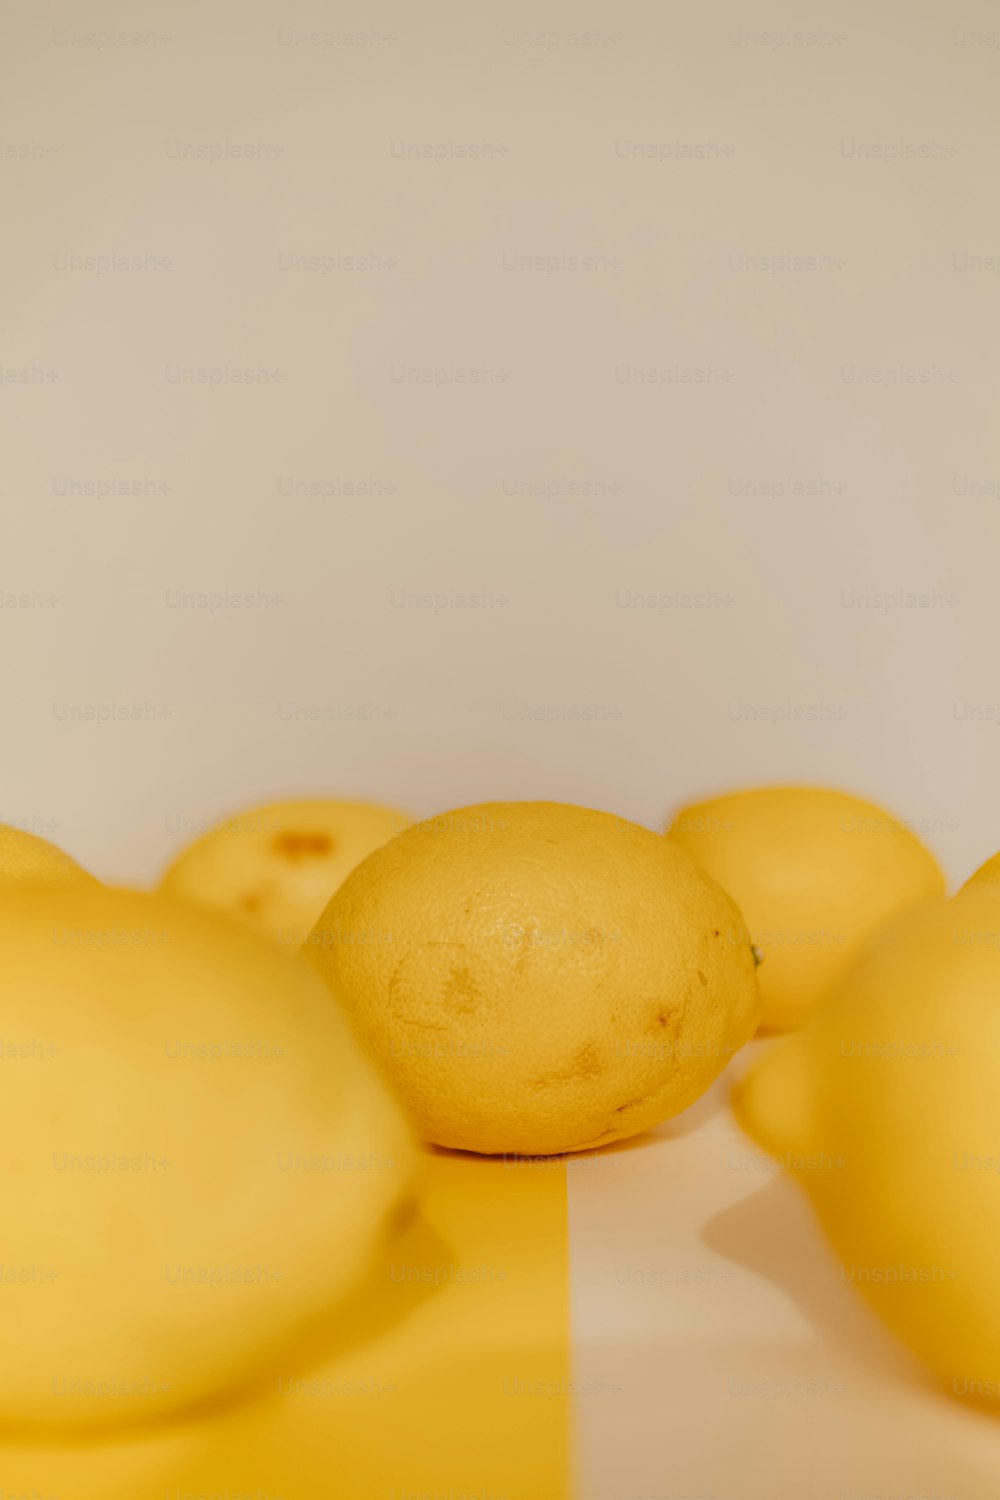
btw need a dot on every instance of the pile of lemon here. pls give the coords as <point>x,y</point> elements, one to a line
<point>530,978</point>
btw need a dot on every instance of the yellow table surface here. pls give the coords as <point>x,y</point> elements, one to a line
<point>451,1382</point>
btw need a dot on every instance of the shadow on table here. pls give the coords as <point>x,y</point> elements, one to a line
<point>774,1234</point>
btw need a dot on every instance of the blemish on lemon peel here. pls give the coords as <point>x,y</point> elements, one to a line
<point>621,1109</point>
<point>292,845</point>
<point>291,856</point>
<point>585,1064</point>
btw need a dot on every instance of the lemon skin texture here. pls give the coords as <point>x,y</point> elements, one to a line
<point>276,866</point>
<point>537,978</point>
<point>25,856</point>
<point>815,872</point>
<point>197,1161</point>
<point>886,1108</point>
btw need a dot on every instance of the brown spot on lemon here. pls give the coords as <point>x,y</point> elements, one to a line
<point>461,991</point>
<point>435,984</point>
<point>588,1062</point>
<point>585,1063</point>
<point>632,1104</point>
<point>295,846</point>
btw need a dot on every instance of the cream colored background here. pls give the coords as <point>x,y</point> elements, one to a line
<point>225,705</point>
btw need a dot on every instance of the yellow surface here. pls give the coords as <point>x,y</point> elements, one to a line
<point>538,977</point>
<point>276,866</point>
<point>457,1389</point>
<point>814,872</point>
<point>886,1108</point>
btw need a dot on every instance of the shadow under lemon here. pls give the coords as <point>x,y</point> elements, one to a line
<point>774,1234</point>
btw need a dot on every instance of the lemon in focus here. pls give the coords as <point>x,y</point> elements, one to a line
<point>276,866</point>
<point>536,978</point>
<point>814,872</point>
<point>886,1108</point>
<point>197,1160</point>
<point>26,856</point>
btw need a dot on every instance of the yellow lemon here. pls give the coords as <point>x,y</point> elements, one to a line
<point>197,1161</point>
<point>987,874</point>
<point>276,866</point>
<point>886,1108</point>
<point>538,978</point>
<point>814,872</point>
<point>26,856</point>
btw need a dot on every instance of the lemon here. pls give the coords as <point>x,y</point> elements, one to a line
<point>538,978</point>
<point>814,872</point>
<point>26,856</point>
<point>886,1108</point>
<point>197,1161</point>
<point>276,866</point>
<point>987,874</point>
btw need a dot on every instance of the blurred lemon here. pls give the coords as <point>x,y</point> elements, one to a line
<point>276,866</point>
<point>886,1108</point>
<point>25,856</point>
<point>814,872</point>
<point>197,1161</point>
<point>987,874</point>
<point>534,977</point>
